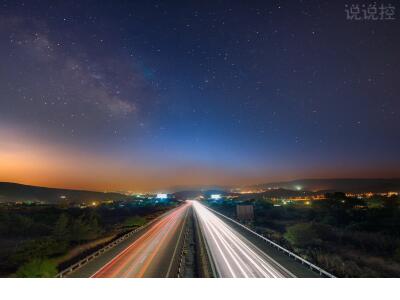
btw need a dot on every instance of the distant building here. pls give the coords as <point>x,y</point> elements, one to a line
<point>245,212</point>
<point>216,196</point>
<point>162,196</point>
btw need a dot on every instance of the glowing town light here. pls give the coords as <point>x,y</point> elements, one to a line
<point>216,196</point>
<point>162,196</point>
<point>298,187</point>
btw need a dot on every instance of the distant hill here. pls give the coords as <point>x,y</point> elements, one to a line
<point>341,184</point>
<point>196,188</point>
<point>20,192</point>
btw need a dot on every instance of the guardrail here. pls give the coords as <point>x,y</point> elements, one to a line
<point>204,257</point>
<point>181,267</point>
<point>109,246</point>
<point>279,247</point>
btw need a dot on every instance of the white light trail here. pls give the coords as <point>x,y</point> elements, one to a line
<point>233,254</point>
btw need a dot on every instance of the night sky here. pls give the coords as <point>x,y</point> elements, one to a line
<point>139,95</point>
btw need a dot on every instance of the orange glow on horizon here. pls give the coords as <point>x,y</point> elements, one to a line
<point>28,160</point>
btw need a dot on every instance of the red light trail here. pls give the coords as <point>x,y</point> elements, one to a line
<point>150,255</point>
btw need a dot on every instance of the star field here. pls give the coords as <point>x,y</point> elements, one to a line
<point>144,95</point>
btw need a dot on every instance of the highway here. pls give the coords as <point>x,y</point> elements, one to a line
<point>230,251</point>
<point>232,254</point>
<point>155,253</point>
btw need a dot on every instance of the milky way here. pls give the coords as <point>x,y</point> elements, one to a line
<point>124,95</point>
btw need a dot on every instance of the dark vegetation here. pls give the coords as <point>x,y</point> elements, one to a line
<point>354,185</point>
<point>34,237</point>
<point>348,237</point>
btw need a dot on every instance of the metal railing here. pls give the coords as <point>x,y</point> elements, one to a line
<point>279,247</point>
<point>109,246</point>
<point>205,254</point>
<point>181,266</point>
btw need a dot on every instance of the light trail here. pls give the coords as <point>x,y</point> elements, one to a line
<point>149,255</point>
<point>233,255</point>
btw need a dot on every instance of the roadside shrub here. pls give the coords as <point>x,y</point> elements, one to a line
<point>301,235</point>
<point>37,268</point>
<point>135,221</point>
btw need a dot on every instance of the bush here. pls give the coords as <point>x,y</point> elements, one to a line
<point>38,248</point>
<point>302,234</point>
<point>396,255</point>
<point>61,229</point>
<point>135,221</point>
<point>85,230</point>
<point>38,268</point>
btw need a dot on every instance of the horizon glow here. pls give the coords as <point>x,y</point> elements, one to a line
<point>150,96</point>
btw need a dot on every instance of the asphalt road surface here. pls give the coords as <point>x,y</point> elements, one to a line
<point>155,253</point>
<point>233,255</point>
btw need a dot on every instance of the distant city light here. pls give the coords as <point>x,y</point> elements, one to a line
<point>298,187</point>
<point>162,196</point>
<point>216,196</point>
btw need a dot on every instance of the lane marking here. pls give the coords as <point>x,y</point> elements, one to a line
<point>176,246</point>
<point>230,238</point>
<point>154,253</point>
<point>142,252</point>
<point>152,228</point>
<point>207,227</point>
